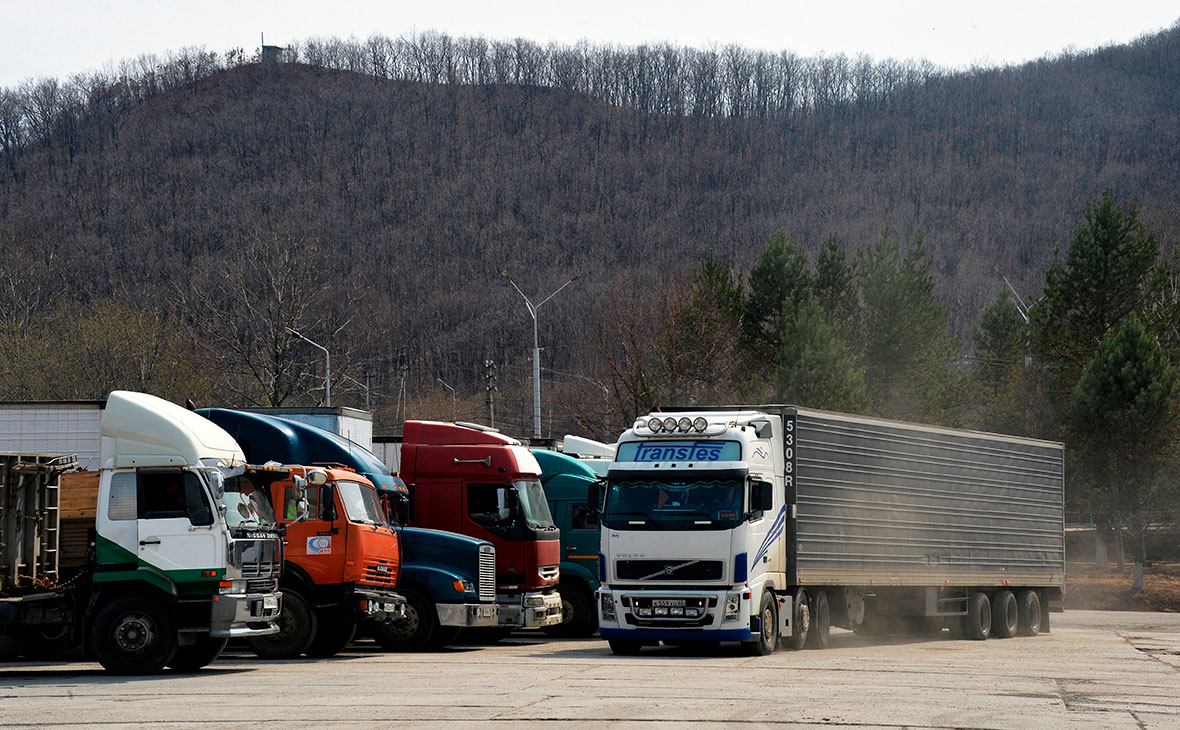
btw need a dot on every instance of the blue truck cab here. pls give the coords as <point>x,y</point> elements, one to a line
<point>568,485</point>
<point>448,580</point>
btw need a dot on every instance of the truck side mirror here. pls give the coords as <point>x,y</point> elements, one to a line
<point>594,496</point>
<point>298,510</point>
<point>328,503</point>
<point>402,511</point>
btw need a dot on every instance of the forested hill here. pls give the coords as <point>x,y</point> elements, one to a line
<point>418,183</point>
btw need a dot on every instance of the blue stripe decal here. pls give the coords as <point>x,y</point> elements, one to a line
<point>776,531</point>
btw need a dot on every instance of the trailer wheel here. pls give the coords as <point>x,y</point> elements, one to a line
<point>767,639</point>
<point>821,622</point>
<point>133,635</point>
<point>297,627</point>
<point>978,624</point>
<point>800,620</point>
<point>1028,607</point>
<point>197,655</point>
<point>334,631</point>
<point>578,618</point>
<point>1004,615</point>
<point>625,647</point>
<point>413,631</point>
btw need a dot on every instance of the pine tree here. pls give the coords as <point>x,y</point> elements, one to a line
<point>777,285</point>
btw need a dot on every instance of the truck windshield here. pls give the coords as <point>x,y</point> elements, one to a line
<point>675,503</point>
<point>247,501</point>
<point>361,503</point>
<point>533,505</point>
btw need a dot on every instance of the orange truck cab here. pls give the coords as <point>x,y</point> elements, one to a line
<point>342,561</point>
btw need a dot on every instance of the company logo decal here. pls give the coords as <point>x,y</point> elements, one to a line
<point>761,453</point>
<point>319,545</point>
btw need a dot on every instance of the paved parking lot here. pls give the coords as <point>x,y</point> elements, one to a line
<point>1096,670</point>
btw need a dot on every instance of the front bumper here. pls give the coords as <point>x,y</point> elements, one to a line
<point>245,614</point>
<point>530,610</point>
<point>699,615</point>
<point>468,615</point>
<point>378,605</point>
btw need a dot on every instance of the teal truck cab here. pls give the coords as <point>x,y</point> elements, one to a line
<point>568,484</point>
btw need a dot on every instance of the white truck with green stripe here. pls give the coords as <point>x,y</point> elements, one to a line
<point>177,562</point>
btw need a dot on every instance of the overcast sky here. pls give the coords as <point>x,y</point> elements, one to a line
<point>61,37</point>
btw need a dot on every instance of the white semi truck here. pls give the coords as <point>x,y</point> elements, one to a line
<point>761,523</point>
<point>177,560</point>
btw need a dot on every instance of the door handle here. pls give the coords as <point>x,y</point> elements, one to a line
<point>148,542</point>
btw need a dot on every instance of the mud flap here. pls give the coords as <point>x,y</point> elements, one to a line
<point>784,615</point>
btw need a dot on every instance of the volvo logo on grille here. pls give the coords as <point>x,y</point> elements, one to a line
<point>670,569</point>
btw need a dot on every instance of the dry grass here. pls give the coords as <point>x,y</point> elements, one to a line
<point>1107,589</point>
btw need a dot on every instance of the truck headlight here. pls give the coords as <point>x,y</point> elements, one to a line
<point>733,605</point>
<point>608,607</point>
<point>534,601</point>
<point>232,586</point>
<point>463,586</point>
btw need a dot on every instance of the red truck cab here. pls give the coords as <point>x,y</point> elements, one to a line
<point>479,482</point>
<point>342,561</point>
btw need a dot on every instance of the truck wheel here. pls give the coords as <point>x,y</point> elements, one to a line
<point>978,625</point>
<point>821,622</point>
<point>413,631</point>
<point>800,620</point>
<point>1028,608</point>
<point>625,647</point>
<point>194,656</point>
<point>1004,615</point>
<point>578,618</point>
<point>297,627</point>
<point>767,639</point>
<point>334,632</point>
<point>133,635</point>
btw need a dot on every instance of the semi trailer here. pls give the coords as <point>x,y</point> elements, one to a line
<point>760,523</point>
<point>175,560</point>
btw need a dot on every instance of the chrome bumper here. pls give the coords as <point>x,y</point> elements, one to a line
<point>468,614</point>
<point>531,610</point>
<point>245,614</point>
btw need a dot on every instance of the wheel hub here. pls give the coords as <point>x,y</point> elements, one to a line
<point>135,634</point>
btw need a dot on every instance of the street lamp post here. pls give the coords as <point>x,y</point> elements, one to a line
<point>533,308</point>
<point>327,366</point>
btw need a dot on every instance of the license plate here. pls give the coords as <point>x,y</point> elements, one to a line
<point>270,603</point>
<point>667,602</point>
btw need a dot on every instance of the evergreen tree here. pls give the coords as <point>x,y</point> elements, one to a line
<point>1108,273</point>
<point>835,284</point>
<point>1124,430</point>
<point>1001,339</point>
<point>815,369</point>
<point>906,353</point>
<point>777,285</point>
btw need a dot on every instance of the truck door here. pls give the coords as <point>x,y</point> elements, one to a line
<point>175,521</point>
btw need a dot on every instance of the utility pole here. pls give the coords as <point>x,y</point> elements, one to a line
<point>489,387</point>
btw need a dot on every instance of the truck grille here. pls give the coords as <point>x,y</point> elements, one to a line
<point>549,572</point>
<point>487,573</point>
<point>381,573</point>
<point>258,558</point>
<point>679,570</point>
<point>261,585</point>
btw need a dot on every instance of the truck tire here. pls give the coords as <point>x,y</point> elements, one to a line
<point>821,622</point>
<point>800,620</point>
<point>297,627</point>
<point>766,640</point>
<point>133,634</point>
<point>1028,607</point>
<point>413,631</point>
<point>578,617</point>
<point>1004,615</point>
<point>625,647</point>
<point>334,631</point>
<point>978,624</point>
<point>197,655</point>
